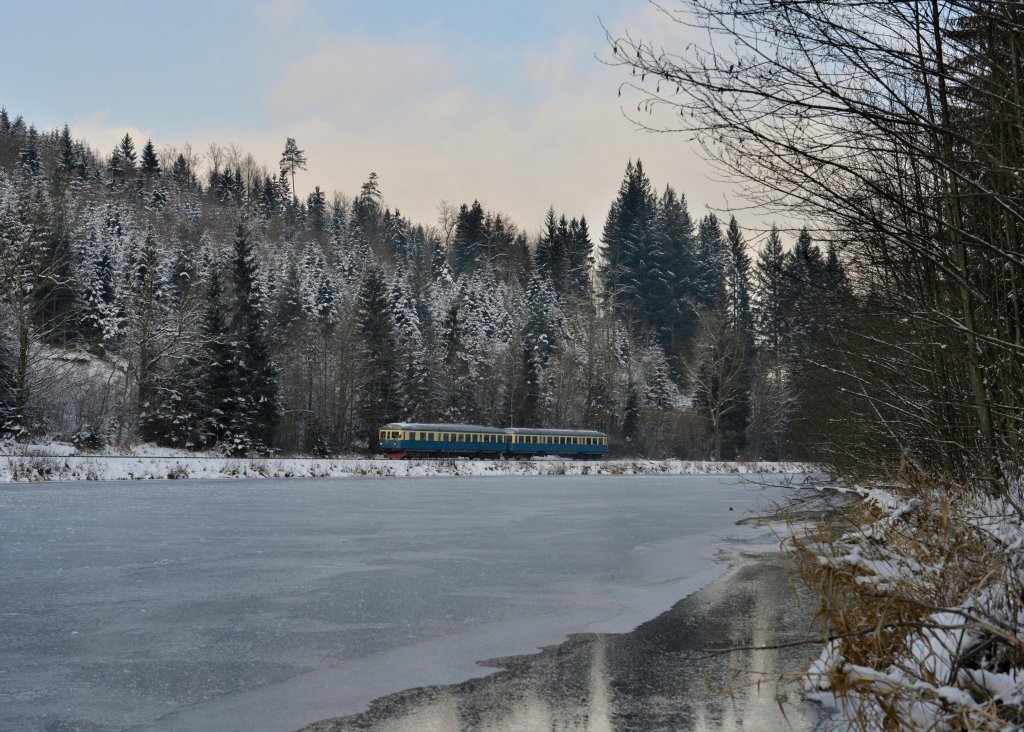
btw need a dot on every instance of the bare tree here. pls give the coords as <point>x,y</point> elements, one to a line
<point>716,372</point>
<point>897,128</point>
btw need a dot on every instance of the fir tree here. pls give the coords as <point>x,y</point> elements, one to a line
<point>220,399</point>
<point>126,148</point>
<point>579,259</point>
<point>711,266</point>
<point>674,229</point>
<point>68,159</point>
<point>539,340</point>
<point>378,397</point>
<point>628,243</point>
<point>737,280</point>
<point>30,158</point>
<point>256,375</point>
<point>182,172</point>
<point>550,259</point>
<point>317,206</point>
<point>769,290</point>
<point>150,161</point>
<point>468,248</point>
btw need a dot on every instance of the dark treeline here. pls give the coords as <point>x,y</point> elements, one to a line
<point>197,303</point>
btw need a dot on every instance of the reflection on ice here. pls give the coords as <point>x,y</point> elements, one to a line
<point>659,676</point>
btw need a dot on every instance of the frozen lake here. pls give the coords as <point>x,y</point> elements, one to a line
<point>266,605</point>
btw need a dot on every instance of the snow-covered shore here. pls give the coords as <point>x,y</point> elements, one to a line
<point>61,463</point>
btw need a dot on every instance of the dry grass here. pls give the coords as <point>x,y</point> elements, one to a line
<point>920,596</point>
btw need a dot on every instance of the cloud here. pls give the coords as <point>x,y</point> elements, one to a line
<point>420,117</point>
<point>103,134</point>
<point>521,129</point>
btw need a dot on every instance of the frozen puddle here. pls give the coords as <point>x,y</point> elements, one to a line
<point>266,605</point>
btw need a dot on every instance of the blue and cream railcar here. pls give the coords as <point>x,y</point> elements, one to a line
<point>526,442</point>
<point>400,439</point>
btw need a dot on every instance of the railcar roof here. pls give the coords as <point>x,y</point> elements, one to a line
<point>423,427</point>
<point>439,427</point>
<point>556,433</point>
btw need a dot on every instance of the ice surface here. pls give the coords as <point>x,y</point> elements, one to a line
<point>263,605</point>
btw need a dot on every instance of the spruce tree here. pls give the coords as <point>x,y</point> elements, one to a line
<point>126,148</point>
<point>31,161</point>
<point>317,205</point>
<point>711,266</point>
<point>469,241</point>
<point>256,374</point>
<point>150,162</point>
<point>539,341</point>
<point>379,374</point>
<point>550,258</point>
<point>769,291</point>
<point>674,229</point>
<point>628,243</point>
<point>182,172</point>
<point>579,259</point>
<point>220,397</point>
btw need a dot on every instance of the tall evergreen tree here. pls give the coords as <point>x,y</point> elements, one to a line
<point>711,265</point>
<point>256,374</point>
<point>128,156</point>
<point>551,256</point>
<point>737,281</point>
<point>769,291</point>
<point>317,206</point>
<point>630,253</point>
<point>379,374</point>
<point>469,243</point>
<point>678,312</point>
<point>579,259</point>
<point>150,163</point>
<point>31,160</point>
<point>539,342</point>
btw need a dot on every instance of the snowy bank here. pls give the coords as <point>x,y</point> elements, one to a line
<point>51,464</point>
<point>925,609</point>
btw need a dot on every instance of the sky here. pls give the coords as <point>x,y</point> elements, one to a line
<point>446,100</point>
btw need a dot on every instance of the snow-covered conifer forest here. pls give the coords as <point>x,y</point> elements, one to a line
<point>195,302</point>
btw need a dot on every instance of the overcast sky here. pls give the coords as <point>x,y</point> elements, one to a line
<point>446,99</point>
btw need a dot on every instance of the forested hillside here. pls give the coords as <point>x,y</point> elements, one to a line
<point>196,302</point>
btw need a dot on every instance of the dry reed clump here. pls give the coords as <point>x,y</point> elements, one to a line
<point>921,586</point>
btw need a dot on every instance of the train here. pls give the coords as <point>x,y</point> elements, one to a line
<point>407,439</point>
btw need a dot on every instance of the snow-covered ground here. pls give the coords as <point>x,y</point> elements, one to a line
<point>59,462</point>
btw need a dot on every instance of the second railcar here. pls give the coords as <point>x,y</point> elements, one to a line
<point>527,442</point>
<point>401,439</point>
